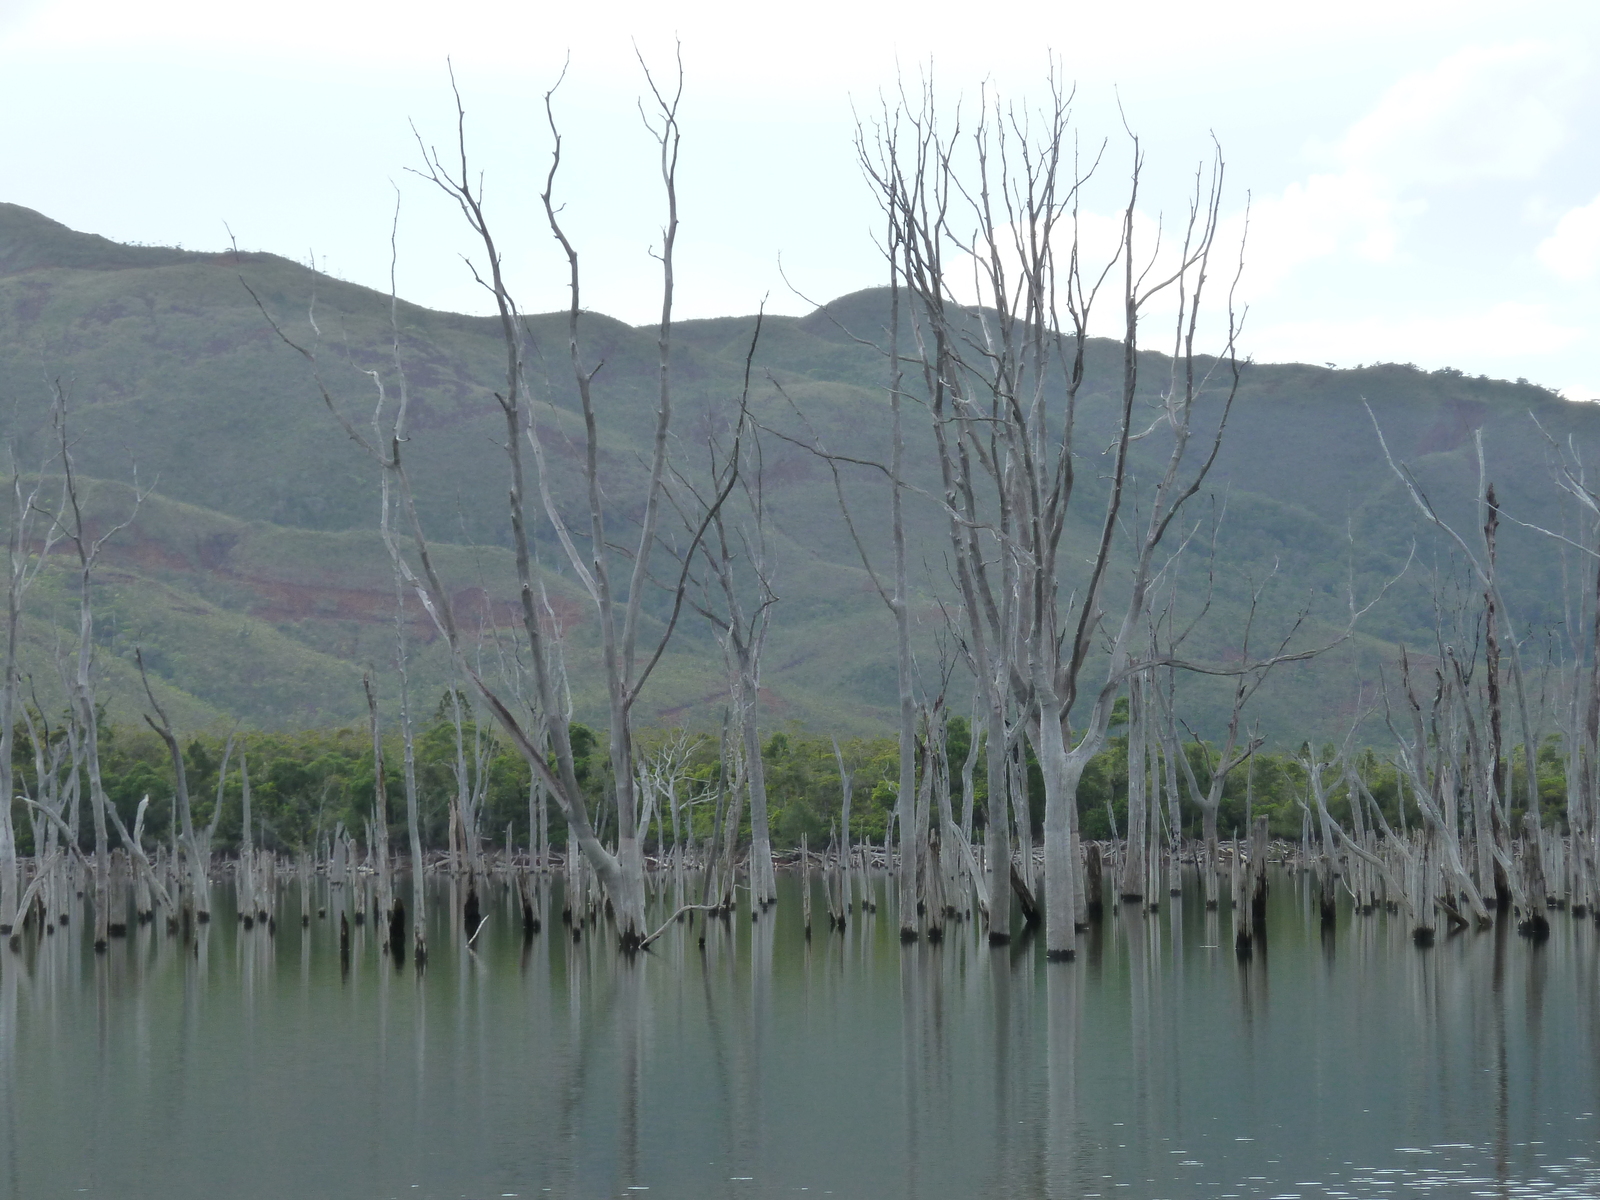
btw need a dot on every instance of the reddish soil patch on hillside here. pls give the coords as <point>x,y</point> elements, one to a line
<point>282,601</point>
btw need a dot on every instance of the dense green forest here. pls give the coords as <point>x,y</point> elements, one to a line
<point>303,783</point>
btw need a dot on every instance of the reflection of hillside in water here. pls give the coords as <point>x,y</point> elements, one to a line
<point>760,1064</point>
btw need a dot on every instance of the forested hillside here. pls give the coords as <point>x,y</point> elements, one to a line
<point>254,581</point>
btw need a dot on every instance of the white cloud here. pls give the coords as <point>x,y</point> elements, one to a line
<point>1587,393</point>
<point>16,13</point>
<point>1327,214</point>
<point>1483,113</point>
<point>321,89</point>
<point>1572,251</point>
<point>753,42</point>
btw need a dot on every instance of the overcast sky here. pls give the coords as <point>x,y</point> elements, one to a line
<point>1424,178</point>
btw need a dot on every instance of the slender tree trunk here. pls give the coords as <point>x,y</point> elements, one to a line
<point>763,881</point>
<point>997,823</point>
<point>16,580</point>
<point>245,883</point>
<point>846,900</point>
<point>1131,885</point>
<point>900,603</point>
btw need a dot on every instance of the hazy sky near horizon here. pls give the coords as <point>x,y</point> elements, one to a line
<point>1423,178</point>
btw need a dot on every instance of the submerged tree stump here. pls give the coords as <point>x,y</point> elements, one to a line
<point>1260,839</point>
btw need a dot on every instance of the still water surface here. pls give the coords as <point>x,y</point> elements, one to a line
<point>1155,1065</point>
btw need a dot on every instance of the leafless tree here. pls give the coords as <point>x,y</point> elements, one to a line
<point>24,559</point>
<point>75,529</point>
<point>1002,384</point>
<point>627,663</point>
<point>739,606</point>
<point>1463,732</point>
<point>1222,761</point>
<point>419,883</point>
<point>196,844</point>
<point>53,839</point>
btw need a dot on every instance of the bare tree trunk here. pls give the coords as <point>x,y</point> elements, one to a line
<point>419,880</point>
<point>924,832</point>
<point>846,900</point>
<point>997,826</point>
<point>969,766</point>
<point>945,835</point>
<point>86,709</point>
<point>245,881</point>
<point>22,567</point>
<point>763,882</point>
<point>1260,841</point>
<point>805,886</point>
<point>380,808</point>
<point>466,818</point>
<point>1061,773</point>
<point>1132,883</point>
<point>900,605</point>
<point>734,769</point>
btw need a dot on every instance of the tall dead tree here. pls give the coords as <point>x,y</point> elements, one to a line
<point>419,883</point>
<point>1578,707</point>
<point>1002,382</point>
<point>1487,782</point>
<point>76,530</point>
<point>196,843</point>
<point>24,560</point>
<point>591,552</point>
<point>738,557</point>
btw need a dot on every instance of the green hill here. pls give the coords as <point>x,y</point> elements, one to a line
<point>254,581</point>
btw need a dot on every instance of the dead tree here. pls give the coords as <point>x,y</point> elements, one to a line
<point>1231,754</point>
<point>1430,753</point>
<point>627,665</point>
<point>53,844</point>
<point>195,899</point>
<point>895,592</point>
<point>1131,884</point>
<point>245,877</point>
<point>24,560</point>
<point>1488,782</point>
<point>1578,707</point>
<point>75,529</point>
<point>419,883</point>
<point>845,874</point>
<point>627,670</point>
<point>661,777</point>
<point>896,595</point>
<point>380,807</point>
<point>1002,384</point>
<point>741,615</point>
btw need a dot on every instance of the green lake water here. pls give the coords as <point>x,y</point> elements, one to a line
<point>253,1064</point>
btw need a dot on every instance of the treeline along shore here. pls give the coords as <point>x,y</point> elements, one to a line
<point>308,785</point>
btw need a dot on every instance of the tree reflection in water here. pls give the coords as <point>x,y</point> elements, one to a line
<point>736,1059</point>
